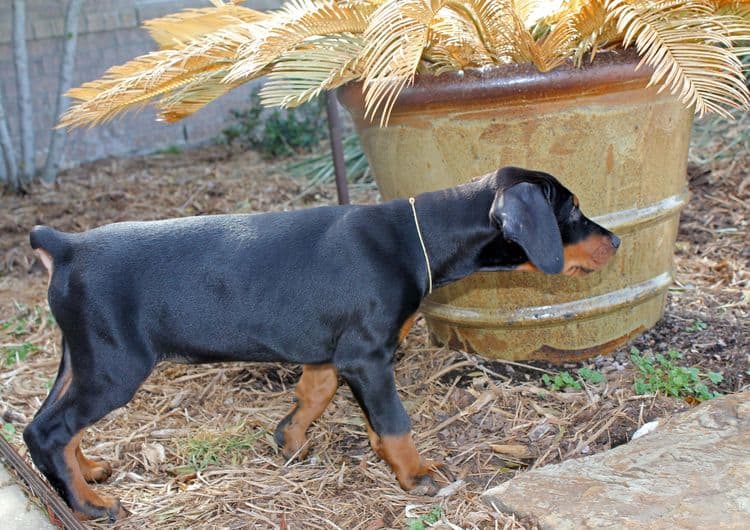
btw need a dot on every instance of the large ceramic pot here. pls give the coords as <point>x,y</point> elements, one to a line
<point>619,145</point>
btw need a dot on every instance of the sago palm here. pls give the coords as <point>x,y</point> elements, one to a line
<point>695,48</point>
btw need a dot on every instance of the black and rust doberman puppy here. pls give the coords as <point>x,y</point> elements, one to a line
<point>331,288</point>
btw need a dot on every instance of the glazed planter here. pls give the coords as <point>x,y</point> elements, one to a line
<point>618,144</point>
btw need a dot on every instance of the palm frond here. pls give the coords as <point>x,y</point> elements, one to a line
<point>457,39</point>
<point>689,53</point>
<point>177,29</point>
<point>694,47</point>
<point>319,64</point>
<point>559,45</point>
<point>135,83</point>
<point>288,27</point>
<point>594,27</point>
<point>202,89</point>
<point>395,39</point>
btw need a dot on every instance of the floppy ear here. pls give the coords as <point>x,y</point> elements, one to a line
<point>526,217</point>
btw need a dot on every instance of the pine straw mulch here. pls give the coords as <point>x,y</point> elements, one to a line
<point>195,449</point>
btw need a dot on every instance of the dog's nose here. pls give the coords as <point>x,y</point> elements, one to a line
<point>615,241</point>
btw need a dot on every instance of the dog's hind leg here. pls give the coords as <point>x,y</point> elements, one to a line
<point>313,393</point>
<point>92,470</point>
<point>53,437</point>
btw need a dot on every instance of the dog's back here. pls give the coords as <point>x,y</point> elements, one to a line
<point>210,288</point>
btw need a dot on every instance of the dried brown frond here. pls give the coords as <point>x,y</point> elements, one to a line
<point>694,46</point>
<point>321,64</point>
<point>457,40</point>
<point>394,41</point>
<point>559,44</point>
<point>689,50</point>
<point>595,29</point>
<point>177,29</point>
<point>288,27</point>
<point>133,84</point>
<point>201,90</point>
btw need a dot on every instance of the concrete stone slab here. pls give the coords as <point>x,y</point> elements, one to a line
<point>693,471</point>
<point>16,511</point>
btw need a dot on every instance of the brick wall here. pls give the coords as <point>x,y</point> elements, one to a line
<point>109,34</point>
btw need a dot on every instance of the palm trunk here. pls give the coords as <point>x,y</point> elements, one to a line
<point>57,141</point>
<point>26,112</point>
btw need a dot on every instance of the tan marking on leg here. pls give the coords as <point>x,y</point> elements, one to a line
<point>314,392</point>
<point>406,327</point>
<point>49,264</point>
<point>77,484</point>
<point>401,454</point>
<point>92,470</point>
<point>374,440</point>
<point>67,378</point>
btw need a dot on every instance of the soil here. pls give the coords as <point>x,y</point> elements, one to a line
<point>485,420</point>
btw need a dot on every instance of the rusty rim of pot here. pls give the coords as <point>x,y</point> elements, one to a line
<point>611,71</point>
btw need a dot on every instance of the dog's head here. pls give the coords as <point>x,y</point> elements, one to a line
<point>544,228</point>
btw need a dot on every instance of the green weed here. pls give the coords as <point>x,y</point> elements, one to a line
<point>8,431</point>
<point>660,373</point>
<point>220,448</point>
<point>696,326</point>
<point>565,379</point>
<point>170,150</point>
<point>14,353</point>
<point>591,376</point>
<point>26,320</point>
<point>431,518</point>
<point>561,381</point>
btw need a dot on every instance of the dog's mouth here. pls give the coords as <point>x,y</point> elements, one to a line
<point>589,255</point>
<point>577,270</point>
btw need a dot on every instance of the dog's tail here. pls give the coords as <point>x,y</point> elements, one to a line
<point>49,244</point>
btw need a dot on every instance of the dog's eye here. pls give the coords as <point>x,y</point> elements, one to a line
<point>575,213</point>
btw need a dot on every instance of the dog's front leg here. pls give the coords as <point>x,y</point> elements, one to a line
<point>373,384</point>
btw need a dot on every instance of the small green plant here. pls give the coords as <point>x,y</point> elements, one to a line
<point>26,320</point>
<point>429,519</point>
<point>561,381</point>
<point>170,150</point>
<point>212,448</point>
<point>660,373</point>
<point>696,326</point>
<point>8,431</point>
<point>278,133</point>
<point>17,352</point>
<point>591,376</point>
<point>565,379</point>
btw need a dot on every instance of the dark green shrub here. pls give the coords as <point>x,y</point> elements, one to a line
<point>278,133</point>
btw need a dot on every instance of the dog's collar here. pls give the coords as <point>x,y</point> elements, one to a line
<point>412,202</point>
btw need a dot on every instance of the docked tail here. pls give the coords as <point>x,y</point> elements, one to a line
<point>49,245</point>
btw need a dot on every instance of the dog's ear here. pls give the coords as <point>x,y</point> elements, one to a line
<point>526,217</point>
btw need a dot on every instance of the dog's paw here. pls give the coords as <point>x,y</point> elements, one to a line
<point>98,471</point>
<point>424,485</point>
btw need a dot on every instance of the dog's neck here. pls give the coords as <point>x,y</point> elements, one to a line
<point>456,227</point>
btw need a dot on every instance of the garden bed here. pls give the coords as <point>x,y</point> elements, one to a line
<point>195,448</point>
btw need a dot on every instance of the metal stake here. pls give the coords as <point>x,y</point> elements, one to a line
<point>337,148</point>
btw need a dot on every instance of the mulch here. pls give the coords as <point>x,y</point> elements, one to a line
<point>195,448</point>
